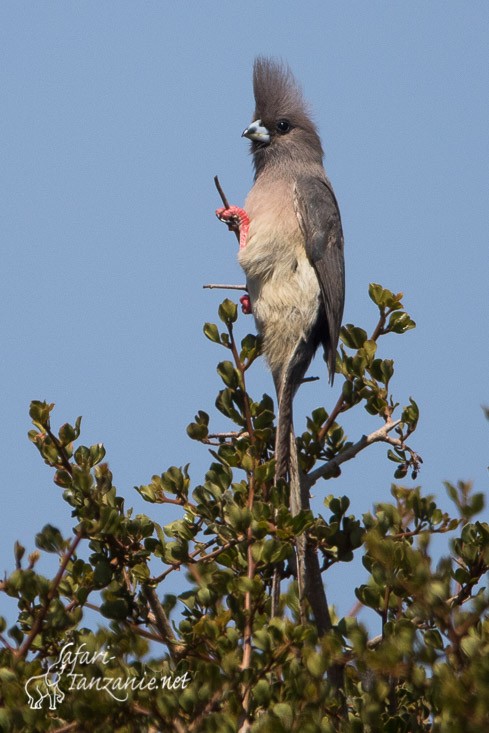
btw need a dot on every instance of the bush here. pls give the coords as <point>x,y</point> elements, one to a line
<point>225,663</point>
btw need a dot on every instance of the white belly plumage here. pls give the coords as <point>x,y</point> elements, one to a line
<point>284,291</point>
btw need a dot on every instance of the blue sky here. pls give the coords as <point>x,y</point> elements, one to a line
<point>115,118</point>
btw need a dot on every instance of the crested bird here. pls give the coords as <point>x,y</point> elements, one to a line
<point>291,242</point>
<point>291,249</point>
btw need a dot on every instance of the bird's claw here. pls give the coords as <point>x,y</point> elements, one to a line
<point>229,217</point>
<point>237,220</point>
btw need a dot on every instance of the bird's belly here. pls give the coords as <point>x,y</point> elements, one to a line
<point>284,293</point>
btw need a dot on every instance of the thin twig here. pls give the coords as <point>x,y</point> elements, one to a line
<point>309,379</point>
<point>339,407</point>
<point>65,728</point>
<point>204,558</point>
<point>214,286</point>
<point>231,434</point>
<point>61,451</point>
<point>224,200</point>
<point>379,328</point>
<point>341,404</point>
<point>38,621</point>
<point>221,193</point>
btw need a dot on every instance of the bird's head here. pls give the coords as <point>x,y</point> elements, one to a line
<point>282,131</point>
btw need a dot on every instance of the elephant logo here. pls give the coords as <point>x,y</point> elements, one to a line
<point>44,686</point>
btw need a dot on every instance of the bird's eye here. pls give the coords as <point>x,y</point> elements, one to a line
<point>283,126</point>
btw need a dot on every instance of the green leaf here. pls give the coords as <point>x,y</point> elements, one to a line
<point>264,420</point>
<point>97,454</point>
<point>39,413</point>
<point>50,539</point>
<point>375,292</point>
<point>228,312</point>
<point>352,336</point>
<point>224,403</point>
<point>401,471</point>
<point>117,609</point>
<point>102,574</point>
<point>82,456</point>
<point>400,322</point>
<point>376,405</point>
<point>7,675</point>
<point>140,572</point>
<point>19,551</point>
<point>250,347</point>
<point>410,414</point>
<point>384,298</point>
<point>197,432</point>
<point>316,664</point>
<point>394,457</point>
<point>368,349</point>
<point>285,712</point>
<point>228,374</point>
<point>67,434</point>
<point>387,369</point>
<point>212,332</point>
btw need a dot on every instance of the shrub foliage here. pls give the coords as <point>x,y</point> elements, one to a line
<point>211,658</point>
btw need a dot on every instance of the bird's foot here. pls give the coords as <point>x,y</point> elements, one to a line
<point>246,305</point>
<point>237,220</point>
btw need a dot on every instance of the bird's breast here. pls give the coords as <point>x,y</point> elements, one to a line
<point>282,284</point>
<point>274,241</point>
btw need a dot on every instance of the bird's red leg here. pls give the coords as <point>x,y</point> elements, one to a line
<point>237,221</point>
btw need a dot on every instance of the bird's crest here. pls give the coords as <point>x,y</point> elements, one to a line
<point>277,93</point>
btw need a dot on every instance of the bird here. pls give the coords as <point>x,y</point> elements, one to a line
<point>291,245</point>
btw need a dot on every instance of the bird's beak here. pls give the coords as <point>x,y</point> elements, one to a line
<point>257,132</point>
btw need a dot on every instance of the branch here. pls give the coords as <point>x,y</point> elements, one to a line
<point>331,468</point>
<point>218,438</point>
<point>192,555</point>
<point>162,622</point>
<point>248,610</point>
<point>8,646</point>
<point>341,404</point>
<point>339,407</point>
<point>43,611</point>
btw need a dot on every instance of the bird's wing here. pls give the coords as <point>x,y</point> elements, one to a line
<point>319,218</point>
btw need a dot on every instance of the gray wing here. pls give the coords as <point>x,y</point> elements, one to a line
<point>319,218</point>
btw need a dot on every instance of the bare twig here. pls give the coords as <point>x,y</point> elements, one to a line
<point>224,200</point>
<point>221,193</point>
<point>214,286</point>
<point>309,379</point>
